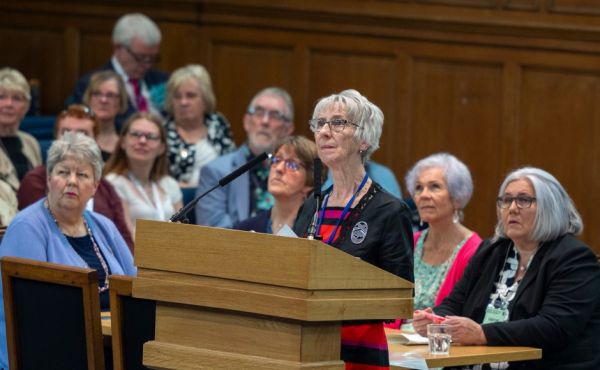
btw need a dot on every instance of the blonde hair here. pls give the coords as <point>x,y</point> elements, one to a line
<point>191,72</point>
<point>11,79</point>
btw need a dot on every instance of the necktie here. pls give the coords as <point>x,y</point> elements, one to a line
<point>140,100</point>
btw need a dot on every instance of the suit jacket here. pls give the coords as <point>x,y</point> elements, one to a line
<point>556,307</point>
<point>152,78</point>
<point>258,223</point>
<point>224,206</point>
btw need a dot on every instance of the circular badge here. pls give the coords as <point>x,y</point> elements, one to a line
<point>359,232</point>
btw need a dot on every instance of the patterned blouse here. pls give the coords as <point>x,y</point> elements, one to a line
<point>185,160</point>
<point>429,278</point>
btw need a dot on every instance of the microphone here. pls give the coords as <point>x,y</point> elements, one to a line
<point>180,215</point>
<point>312,229</point>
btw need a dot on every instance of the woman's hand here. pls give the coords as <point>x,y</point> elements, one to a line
<point>465,331</point>
<point>420,321</point>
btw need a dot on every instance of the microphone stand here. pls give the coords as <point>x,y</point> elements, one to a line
<point>312,229</point>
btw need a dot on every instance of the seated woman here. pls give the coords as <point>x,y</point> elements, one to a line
<point>291,178</point>
<point>534,284</point>
<point>138,170</point>
<point>34,186</point>
<point>197,133</point>
<point>441,187</point>
<point>19,151</point>
<point>107,96</point>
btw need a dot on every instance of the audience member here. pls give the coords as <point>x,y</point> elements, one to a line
<point>381,175</point>
<point>59,229</point>
<point>291,179</point>
<point>8,203</point>
<point>107,97</point>
<point>138,170</point>
<point>441,187</point>
<point>197,133</point>
<point>269,118</point>
<point>357,216</point>
<point>136,43</point>
<point>534,284</point>
<point>77,118</point>
<point>19,151</point>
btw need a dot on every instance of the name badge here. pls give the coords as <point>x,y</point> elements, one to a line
<point>493,314</point>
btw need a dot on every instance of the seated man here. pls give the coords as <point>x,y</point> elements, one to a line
<point>34,185</point>
<point>136,42</point>
<point>269,119</point>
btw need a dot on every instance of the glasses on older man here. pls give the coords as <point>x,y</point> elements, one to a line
<point>290,164</point>
<point>272,115</point>
<point>522,201</point>
<point>142,58</point>
<point>335,125</point>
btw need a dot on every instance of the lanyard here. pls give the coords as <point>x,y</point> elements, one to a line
<point>344,212</point>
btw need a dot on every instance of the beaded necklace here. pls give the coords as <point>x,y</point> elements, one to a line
<point>94,246</point>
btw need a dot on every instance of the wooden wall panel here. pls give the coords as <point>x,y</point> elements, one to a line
<point>559,118</point>
<point>457,108</point>
<point>585,7</point>
<point>242,69</point>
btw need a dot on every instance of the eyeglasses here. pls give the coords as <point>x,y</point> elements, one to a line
<point>261,112</point>
<point>335,125</point>
<point>523,201</point>
<point>290,164</point>
<point>146,135</point>
<point>107,96</point>
<point>79,111</point>
<point>143,58</point>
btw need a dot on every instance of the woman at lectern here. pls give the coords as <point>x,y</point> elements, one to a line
<point>535,284</point>
<point>59,229</point>
<point>357,216</point>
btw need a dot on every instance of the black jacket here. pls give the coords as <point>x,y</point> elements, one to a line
<point>556,307</point>
<point>388,243</point>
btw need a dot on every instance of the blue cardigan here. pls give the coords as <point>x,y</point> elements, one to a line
<point>33,234</point>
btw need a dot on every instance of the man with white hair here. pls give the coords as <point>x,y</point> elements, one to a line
<point>136,43</point>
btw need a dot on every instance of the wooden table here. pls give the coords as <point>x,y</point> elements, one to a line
<point>465,355</point>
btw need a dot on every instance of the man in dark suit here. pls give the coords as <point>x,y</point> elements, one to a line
<point>136,43</point>
<point>270,118</point>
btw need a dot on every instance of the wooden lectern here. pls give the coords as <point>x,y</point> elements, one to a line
<point>231,299</point>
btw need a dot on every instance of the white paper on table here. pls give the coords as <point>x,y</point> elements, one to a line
<point>407,338</point>
<point>410,360</point>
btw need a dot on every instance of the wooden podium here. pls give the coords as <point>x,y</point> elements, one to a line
<point>231,299</point>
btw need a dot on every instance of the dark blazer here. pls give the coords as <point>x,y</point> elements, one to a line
<point>389,241</point>
<point>258,223</point>
<point>556,307</point>
<point>152,78</point>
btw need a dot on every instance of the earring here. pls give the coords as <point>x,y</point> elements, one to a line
<point>455,217</point>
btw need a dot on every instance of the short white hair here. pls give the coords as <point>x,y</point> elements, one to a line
<point>78,146</point>
<point>361,111</point>
<point>133,25</point>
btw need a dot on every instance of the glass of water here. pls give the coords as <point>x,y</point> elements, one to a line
<point>439,339</point>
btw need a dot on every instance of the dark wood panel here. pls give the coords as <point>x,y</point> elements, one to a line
<point>559,131</point>
<point>533,5</point>
<point>585,7</point>
<point>457,108</point>
<point>475,3</point>
<point>242,69</point>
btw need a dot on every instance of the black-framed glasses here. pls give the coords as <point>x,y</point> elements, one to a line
<point>146,135</point>
<point>335,124</point>
<point>290,164</point>
<point>142,58</point>
<point>261,112</point>
<point>108,96</point>
<point>523,201</point>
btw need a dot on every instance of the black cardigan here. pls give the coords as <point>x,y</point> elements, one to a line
<point>556,307</point>
<point>388,243</point>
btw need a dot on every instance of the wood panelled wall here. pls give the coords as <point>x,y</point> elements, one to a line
<point>498,83</point>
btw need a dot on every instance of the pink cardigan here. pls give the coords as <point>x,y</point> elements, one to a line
<point>458,266</point>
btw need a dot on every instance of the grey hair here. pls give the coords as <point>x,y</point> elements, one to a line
<point>11,79</point>
<point>187,73</point>
<point>456,174</point>
<point>78,146</point>
<point>555,215</point>
<point>359,110</point>
<point>136,25</point>
<point>281,93</point>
